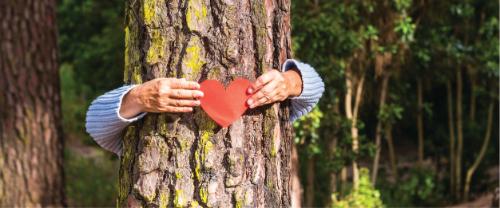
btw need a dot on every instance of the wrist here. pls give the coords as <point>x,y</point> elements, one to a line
<point>131,104</point>
<point>294,82</point>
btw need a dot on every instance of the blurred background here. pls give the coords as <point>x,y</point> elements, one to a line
<point>414,83</point>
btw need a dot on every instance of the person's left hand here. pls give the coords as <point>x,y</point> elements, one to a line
<point>274,86</point>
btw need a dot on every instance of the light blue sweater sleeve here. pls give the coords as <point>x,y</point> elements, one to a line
<point>312,88</point>
<point>105,124</point>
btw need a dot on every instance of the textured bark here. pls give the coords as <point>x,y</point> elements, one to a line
<point>184,160</point>
<point>31,146</point>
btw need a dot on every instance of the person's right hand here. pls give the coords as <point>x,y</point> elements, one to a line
<point>161,95</point>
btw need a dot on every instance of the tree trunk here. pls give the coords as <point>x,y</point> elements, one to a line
<point>459,148</point>
<point>451,129</point>
<point>473,89</point>
<point>353,85</point>
<point>311,174</point>
<point>185,160</point>
<point>379,129</point>
<point>420,121</point>
<point>343,181</point>
<point>297,191</point>
<point>392,153</point>
<point>31,145</point>
<point>484,147</point>
<point>333,148</point>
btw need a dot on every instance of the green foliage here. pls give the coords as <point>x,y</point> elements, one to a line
<point>405,28</point>
<point>440,37</point>
<point>91,180</point>
<point>366,196</point>
<point>306,128</point>
<point>419,187</point>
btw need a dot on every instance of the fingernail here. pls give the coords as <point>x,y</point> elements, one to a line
<point>200,94</point>
<point>197,102</point>
<point>249,102</point>
<point>250,90</point>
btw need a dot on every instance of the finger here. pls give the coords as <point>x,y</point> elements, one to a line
<point>261,99</point>
<point>185,94</point>
<point>183,103</point>
<point>267,91</point>
<point>261,82</point>
<point>264,101</point>
<point>183,84</point>
<point>171,109</point>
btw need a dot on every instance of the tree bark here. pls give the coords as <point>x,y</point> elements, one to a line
<point>420,121</point>
<point>185,160</point>
<point>451,129</point>
<point>392,153</point>
<point>332,149</point>
<point>379,129</point>
<point>354,85</point>
<point>297,190</point>
<point>484,147</point>
<point>459,147</point>
<point>31,145</point>
<point>311,174</point>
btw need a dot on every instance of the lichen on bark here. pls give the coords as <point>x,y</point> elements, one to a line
<point>180,160</point>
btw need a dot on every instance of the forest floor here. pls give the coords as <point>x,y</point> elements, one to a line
<point>482,201</point>
<point>92,152</point>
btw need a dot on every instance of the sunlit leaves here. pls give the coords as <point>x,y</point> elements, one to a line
<point>405,28</point>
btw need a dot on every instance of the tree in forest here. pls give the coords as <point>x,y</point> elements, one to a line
<point>31,145</point>
<point>187,160</point>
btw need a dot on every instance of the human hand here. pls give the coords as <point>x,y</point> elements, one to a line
<point>161,95</point>
<point>274,86</point>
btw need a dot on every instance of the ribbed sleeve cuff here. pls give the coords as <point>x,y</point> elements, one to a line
<point>104,122</point>
<point>312,88</point>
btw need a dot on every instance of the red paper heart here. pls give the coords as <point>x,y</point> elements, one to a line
<point>225,106</point>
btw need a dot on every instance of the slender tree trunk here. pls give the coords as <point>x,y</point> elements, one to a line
<point>451,129</point>
<point>352,115</point>
<point>459,149</point>
<point>183,160</point>
<point>473,86</point>
<point>392,153</point>
<point>379,129</point>
<point>297,190</point>
<point>343,181</point>
<point>333,148</point>
<point>311,175</point>
<point>484,147</point>
<point>420,121</point>
<point>349,112</point>
<point>31,145</point>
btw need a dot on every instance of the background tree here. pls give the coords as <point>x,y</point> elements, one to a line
<point>187,160</point>
<point>327,35</point>
<point>31,145</point>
